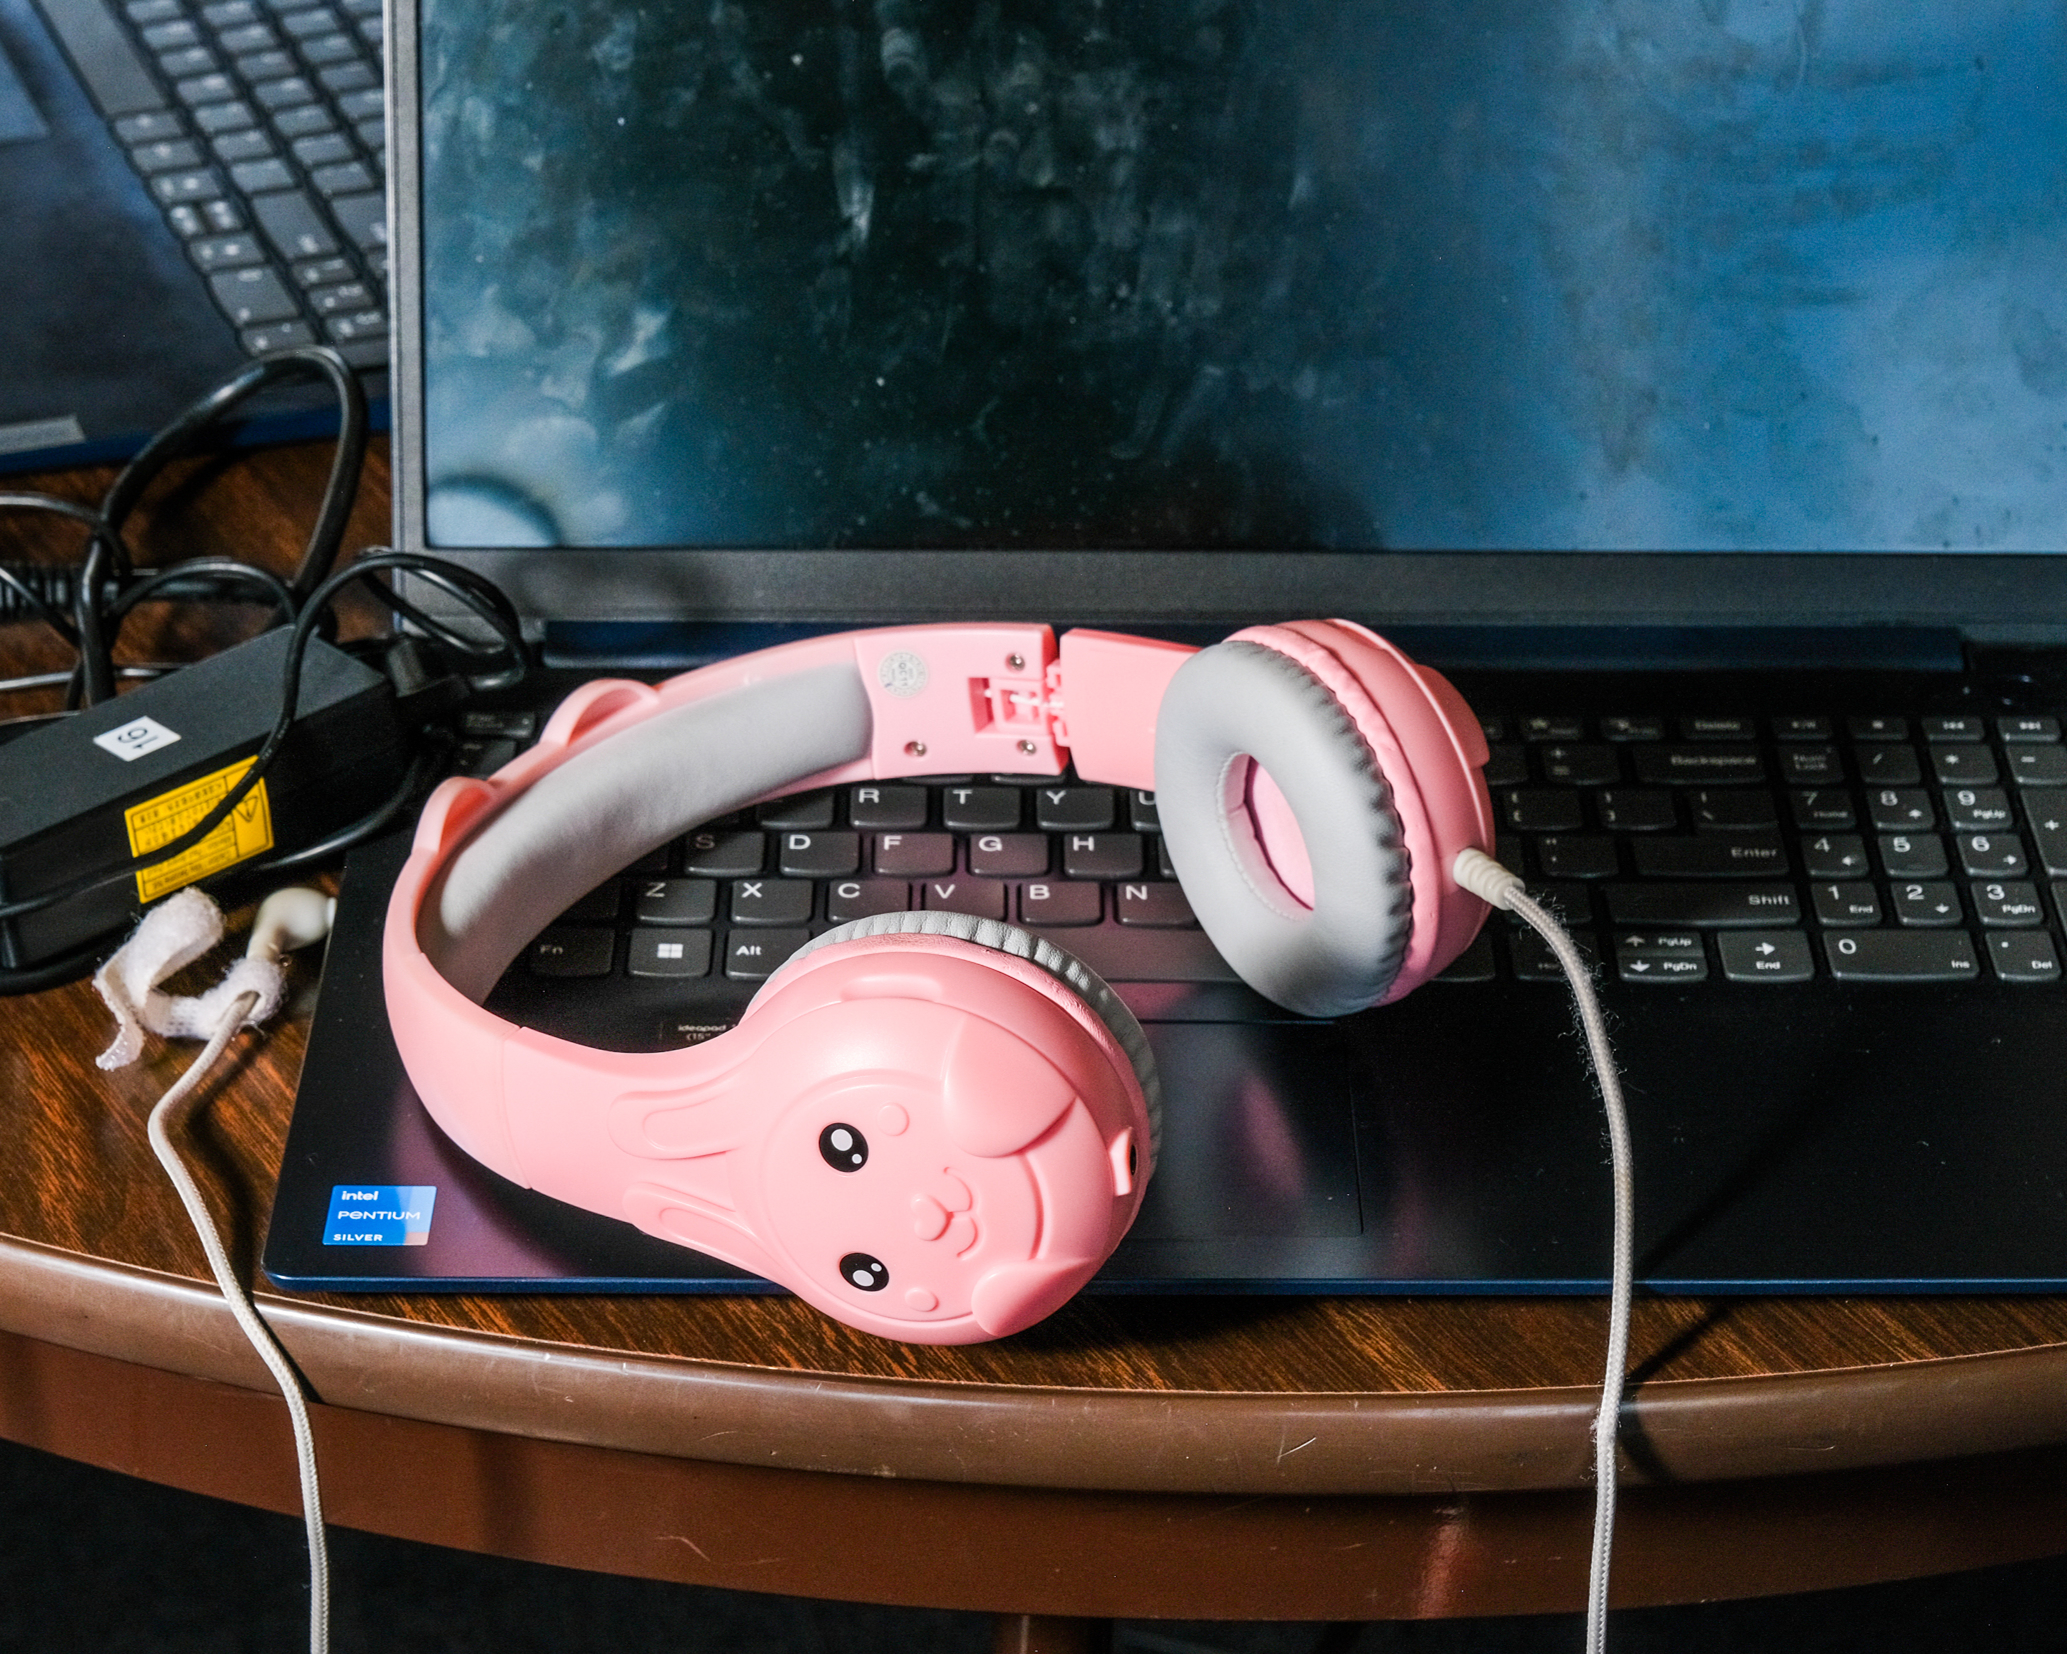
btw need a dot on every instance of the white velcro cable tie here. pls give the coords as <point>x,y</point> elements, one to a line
<point>173,935</point>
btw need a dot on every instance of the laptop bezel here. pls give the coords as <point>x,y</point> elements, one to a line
<point>2003,598</point>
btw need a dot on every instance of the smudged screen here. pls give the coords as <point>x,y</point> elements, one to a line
<point>1281,274</point>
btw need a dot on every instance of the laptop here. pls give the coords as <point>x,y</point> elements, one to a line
<point>1690,384</point>
<point>186,184</point>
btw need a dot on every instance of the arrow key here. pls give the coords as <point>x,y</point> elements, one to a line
<point>1765,956</point>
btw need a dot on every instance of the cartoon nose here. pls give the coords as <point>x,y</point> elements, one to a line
<point>928,1217</point>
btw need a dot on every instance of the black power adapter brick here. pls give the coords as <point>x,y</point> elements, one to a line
<point>109,787</point>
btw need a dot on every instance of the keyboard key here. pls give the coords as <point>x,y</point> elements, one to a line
<point>1542,810</point>
<point>173,32</point>
<point>364,217</point>
<point>1008,855</point>
<point>1142,815</point>
<point>675,902</point>
<point>1666,766</point>
<point>347,77</point>
<point>573,953</point>
<point>322,272</point>
<point>290,222</point>
<point>2026,958</point>
<point>322,149</point>
<point>1816,807</point>
<point>1574,764</point>
<point>1877,729</point>
<point>252,296</point>
<point>268,65</point>
<point>1912,855</point>
<point>230,14</point>
<point>1810,766</point>
<point>1507,766</point>
<point>1977,809</point>
<point>201,184</point>
<point>1845,906</point>
<point>360,106</point>
<point>335,47</point>
<point>1834,856</point>
<point>193,60</point>
<point>255,177</point>
<point>1900,809</point>
<point>756,955</point>
<point>1992,855</point>
<point>340,300</point>
<point>810,811</point>
<point>226,252</point>
<point>1073,809</point>
<point>1101,855</point>
<point>1712,856</point>
<point>714,855</point>
<point>251,143</point>
<point>149,127</point>
<point>2006,904</point>
<point>1731,808</point>
<point>770,901</point>
<point>373,134</point>
<point>876,806</point>
<point>669,954</point>
<point>1954,765</point>
<point>1155,906</point>
<point>1553,727</point>
<point>1888,765</point>
<point>1812,728</point>
<point>143,12</point>
<point>1653,956</point>
<point>166,155</point>
<point>1902,956</point>
<point>1474,964</point>
<point>300,122</point>
<point>283,93</point>
<point>914,855</point>
<point>1577,856</point>
<point>982,898</point>
<point>1634,810</point>
<point>2049,832</point>
<point>851,899</point>
<point>342,179</point>
<point>1931,902</point>
<point>1765,956</point>
<point>2035,766</point>
<point>221,216</point>
<point>1966,728</point>
<point>309,23</point>
<point>1628,727</point>
<point>1714,905</point>
<point>358,324</point>
<point>197,90</point>
<point>2028,729</point>
<point>1533,960</point>
<point>295,335</point>
<point>186,221</point>
<point>224,117</point>
<point>972,809</point>
<point>1718,729</point>
<point>248,38</point>
<point>1060,904</point>
<point>818,855</point>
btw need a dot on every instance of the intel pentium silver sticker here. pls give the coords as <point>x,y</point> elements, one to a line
<point>380,1214</point>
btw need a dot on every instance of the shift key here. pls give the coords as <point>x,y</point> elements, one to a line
<point>1704,906</point>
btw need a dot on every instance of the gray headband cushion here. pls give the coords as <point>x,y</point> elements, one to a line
<point>606,807</point>
<point>1064,967</point>
<point>1241,700</point>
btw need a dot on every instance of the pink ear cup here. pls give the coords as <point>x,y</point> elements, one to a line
<point>1432,752</point>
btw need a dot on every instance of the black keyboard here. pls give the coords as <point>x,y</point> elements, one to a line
<point>1865,848</point>
<point>259,127</point>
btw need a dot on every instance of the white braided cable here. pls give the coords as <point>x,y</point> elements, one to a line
<point>164,1116</point>
<point>1485,877</point>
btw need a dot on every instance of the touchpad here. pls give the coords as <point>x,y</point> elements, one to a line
<point>1259,1134</point>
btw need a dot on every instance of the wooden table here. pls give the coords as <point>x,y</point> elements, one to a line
<point>1212,1458</point>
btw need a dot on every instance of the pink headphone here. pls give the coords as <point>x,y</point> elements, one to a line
<point>931,1126</point>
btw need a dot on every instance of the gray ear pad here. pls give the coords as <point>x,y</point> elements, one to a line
<point>605,808</point>
<point>1240,700</point>
<point>1066,968</point>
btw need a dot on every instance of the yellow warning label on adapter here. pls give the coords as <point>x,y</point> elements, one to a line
<point>156,822</point>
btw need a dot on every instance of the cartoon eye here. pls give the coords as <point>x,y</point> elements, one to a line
<point>859,1269</point>
<point>843,1148</point>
